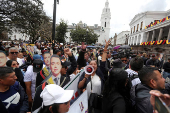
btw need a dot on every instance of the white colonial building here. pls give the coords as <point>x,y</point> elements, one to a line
<point>103,30</point>
<point>17,35</point>
<point>149,26</point>
<point>122,38</point>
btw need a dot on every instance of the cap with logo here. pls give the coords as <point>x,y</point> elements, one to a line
<point>55,94</point>
<point>37,65</point>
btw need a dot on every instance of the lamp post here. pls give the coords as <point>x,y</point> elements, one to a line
<point>54,22</point>
<point>86,35</point>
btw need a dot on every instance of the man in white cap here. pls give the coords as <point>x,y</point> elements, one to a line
<point>55,101</point>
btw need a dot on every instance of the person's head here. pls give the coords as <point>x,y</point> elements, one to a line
<point>93,63</point>
<point>145,55</point>
<point>140,54</point>
<point>13,53</point>
<point>57,52</point>
<point>12,63</point>
<point>3,59</point>
<point>51,52</point>
<point>32,49</point>
<point>55,101</point>
<point>55,65</point>
<point>47,57</point>
<point>86,56</point>
<point>124,59</point>
<point>65,65</point>
<point>151,77</point>
<point>20,55</point>
<point>169,59</point>
<point>136,63</point>
<point>154,57</point>
<point>28,48</point>
<point>117,81</point>
<point>7,76</point>
<point>108,54</point>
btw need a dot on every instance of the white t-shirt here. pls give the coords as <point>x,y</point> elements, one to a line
<point>96,85</point>
<point>31,76</point>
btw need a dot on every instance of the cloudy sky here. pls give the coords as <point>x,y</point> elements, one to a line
<point>89,11</point>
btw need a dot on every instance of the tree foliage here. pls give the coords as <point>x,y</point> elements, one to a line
<point>61,30</point>
<point>25,15</point>
<point>84,35</point>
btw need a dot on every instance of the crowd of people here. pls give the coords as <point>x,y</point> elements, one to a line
<point>32,78</point>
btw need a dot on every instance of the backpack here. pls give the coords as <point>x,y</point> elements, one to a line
<point>132,103</point>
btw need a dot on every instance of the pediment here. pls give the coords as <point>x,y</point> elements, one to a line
<point>137,17</point>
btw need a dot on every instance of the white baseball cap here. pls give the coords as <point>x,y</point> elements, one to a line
<point>55,94</point>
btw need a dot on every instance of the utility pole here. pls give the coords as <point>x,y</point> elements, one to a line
<point>54,22</point>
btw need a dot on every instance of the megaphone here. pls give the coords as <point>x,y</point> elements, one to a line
<point>89,70</point>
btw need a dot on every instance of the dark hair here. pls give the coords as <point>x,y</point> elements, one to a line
<point>123,56</point>
<point>45,109</point>
<point>9,63</point>
<point>4,71</point>
<point>136,63</point>
<point>3,52</point>
<point>46,53</point>
<point>116,82</point>
<point>147,73</point>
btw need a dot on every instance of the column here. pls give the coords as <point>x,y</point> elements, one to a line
<point>137,38</point>
<point>147,38</point>
<point>160,34</point>
<point>168,35</point>
<point>128,40</point>
<point>153,35</point>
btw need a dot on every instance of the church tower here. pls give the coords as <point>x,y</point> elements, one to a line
<point>105,23</point>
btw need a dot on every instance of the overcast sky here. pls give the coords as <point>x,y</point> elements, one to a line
<point>89,11</point>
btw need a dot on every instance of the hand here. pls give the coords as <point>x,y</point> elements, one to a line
<point>107,43</point>
<point>87,76</point>
<point>164,97</point>
<point>68,52</point>
<point>84,90</point>
<point>78,71</point>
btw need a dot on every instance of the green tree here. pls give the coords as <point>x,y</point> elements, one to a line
<point>24,15</point>
<point>84,35</point>
<point>61,30</point>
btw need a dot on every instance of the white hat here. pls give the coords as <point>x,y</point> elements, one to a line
<point>55,94</point>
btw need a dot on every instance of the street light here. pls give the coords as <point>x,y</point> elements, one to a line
<point>54,21</point>
<point>86,35</point>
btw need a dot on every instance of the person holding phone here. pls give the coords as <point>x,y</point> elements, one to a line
<point>164,98</point>
<point>151,79</point>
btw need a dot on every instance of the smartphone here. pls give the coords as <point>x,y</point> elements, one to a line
<point>160,106</point>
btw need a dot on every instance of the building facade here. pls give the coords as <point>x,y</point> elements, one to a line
<point>122,38</point>
<point>149,26</point>
<point>103,30</point>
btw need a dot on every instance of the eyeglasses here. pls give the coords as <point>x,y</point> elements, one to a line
<point>14,52</point>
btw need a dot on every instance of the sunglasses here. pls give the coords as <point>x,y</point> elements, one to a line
<point>15,64</point>
<point>14,52</point>
<point>124,60</point>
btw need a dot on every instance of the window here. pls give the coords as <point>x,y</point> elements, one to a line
<point>105,24</point>
<point>131,30</point>
<point>134,29</point>
<point>137,27</point>
<point>141,25</point>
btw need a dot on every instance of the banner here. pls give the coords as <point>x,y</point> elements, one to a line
<point>73,84</point>
<point>80,105</point>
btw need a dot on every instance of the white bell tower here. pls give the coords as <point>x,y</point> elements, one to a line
<point>105,23</point>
